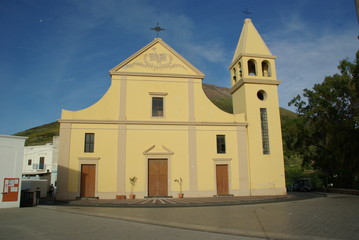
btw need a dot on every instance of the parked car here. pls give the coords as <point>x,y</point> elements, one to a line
<point>303,185</point>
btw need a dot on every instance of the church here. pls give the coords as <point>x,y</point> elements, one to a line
<point>156,124</point>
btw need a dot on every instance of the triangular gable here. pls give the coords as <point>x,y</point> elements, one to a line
<point>250,42</point>
<point>156,58</point>
<point>157,150</point>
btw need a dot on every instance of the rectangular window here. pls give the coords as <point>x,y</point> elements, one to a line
<point>265,135</point>
<point>89,142</point>
<point>221,144</point>
<point>157,106</point>
<point>29,161</point>
<point>42,163</point>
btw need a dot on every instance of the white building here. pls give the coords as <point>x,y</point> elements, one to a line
<point>41,161</point>
<point>11,155</point>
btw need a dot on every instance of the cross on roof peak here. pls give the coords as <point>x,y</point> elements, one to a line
<point>246,12</point>
<point>157,28</point>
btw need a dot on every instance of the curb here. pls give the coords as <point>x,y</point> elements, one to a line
<point>186,202</point>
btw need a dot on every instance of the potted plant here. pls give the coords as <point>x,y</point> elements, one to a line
<point>120,196</point>
<point>179,181</point>
<point>133,181</point>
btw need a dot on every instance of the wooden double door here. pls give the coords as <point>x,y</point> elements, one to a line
<point>157,177</point>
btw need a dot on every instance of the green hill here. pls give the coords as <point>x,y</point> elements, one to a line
<point>286,114</point>
<point>220,96</point>
<point>40,135</point>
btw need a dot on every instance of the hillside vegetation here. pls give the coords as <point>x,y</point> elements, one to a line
<point>220,96</point>
<point>40,135</point>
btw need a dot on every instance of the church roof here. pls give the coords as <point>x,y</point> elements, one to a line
<point>250,42</point>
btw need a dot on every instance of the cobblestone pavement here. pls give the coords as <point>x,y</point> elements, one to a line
<point>305,216</point>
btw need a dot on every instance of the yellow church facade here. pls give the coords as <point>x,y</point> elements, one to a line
<point>155,123</point>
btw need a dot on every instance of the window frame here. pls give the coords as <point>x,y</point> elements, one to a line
<point>42,163</point>
<point>221,143</point>
<point>158,95</point>
<point>157,110</point>
<point>89,143</point>
<point>264,131</point>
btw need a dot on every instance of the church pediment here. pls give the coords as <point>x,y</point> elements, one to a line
<point>158,150</point>
<point>157,58</point>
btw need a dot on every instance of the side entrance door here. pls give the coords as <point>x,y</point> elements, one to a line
<point>222,179</point>
<point>157,177</point>
<point>88,177</point>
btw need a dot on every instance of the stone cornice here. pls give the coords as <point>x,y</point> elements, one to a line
<point>89,158</point>
<point>145,74</point>
<point>250,55</point>
<point>253,81</point>
<point>169,123</point>
<point>222,159</point>
<point>158,93</point>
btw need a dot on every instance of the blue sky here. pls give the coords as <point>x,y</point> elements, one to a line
<point>56,54</point>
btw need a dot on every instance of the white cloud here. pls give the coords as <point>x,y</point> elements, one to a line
<point>208,51</point>
<point>305,60</point>
<point>138,16</point>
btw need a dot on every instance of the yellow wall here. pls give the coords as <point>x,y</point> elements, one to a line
<point>207,157</point>
<point>141,138</point>
<point>139,98</point>
<point>107,108</point>
<point>266,171</point>
<point>206,111</point>
<point>105,149</point>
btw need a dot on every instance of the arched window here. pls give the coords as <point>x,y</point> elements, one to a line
<point>266,69</point>
<point>252,68</point>
<point>234,75</point>
<point>240,69</point>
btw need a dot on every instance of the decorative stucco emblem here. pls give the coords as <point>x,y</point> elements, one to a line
<point>156,61</point>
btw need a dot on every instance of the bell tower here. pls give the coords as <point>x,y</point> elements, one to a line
<point>255,94</point>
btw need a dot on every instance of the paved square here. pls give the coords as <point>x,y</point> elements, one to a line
<point>333,217</point>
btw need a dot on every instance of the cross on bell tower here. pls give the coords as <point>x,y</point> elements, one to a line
<point>246,12</point>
